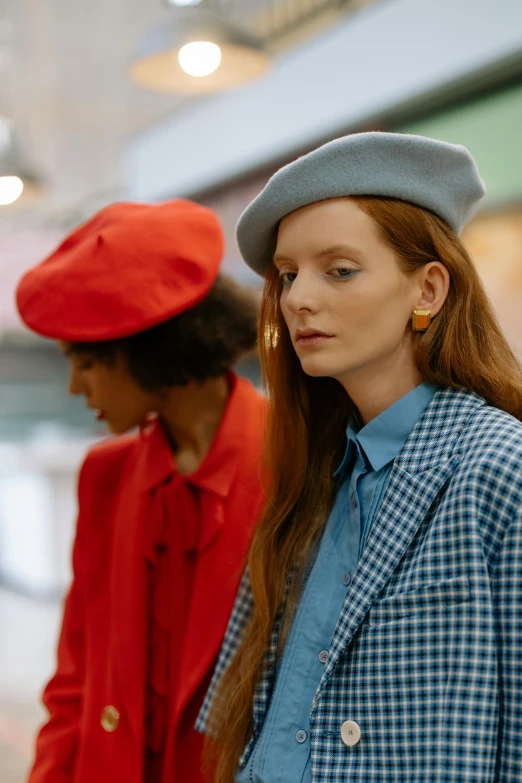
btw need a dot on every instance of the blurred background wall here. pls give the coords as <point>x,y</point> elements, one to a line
<point>85,135</point>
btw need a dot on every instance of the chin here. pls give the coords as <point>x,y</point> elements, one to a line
<point>319,368</point>
<point>119,428</point>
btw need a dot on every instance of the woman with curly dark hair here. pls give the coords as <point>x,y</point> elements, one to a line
<point>152,331</point>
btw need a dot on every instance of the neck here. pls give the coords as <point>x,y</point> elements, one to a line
<point>376,387</point>
<point>191,415</point>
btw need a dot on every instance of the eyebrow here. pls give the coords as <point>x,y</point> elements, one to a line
<point>342,248</point>
<point>328,251</point>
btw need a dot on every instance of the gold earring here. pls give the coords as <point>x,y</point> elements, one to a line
<point>420,320</point>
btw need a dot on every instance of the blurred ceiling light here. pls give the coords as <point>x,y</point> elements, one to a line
<point>16,176</point>
<point>176,55</point>
<point>199,58</point>
<point>11,188</point>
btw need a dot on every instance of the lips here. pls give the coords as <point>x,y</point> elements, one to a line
<point>313,339</point>
<point>310,337</point>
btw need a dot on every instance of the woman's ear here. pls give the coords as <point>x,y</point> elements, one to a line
<point>434,283</point>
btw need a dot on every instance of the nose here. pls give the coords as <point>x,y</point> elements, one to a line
<point>302,294</point>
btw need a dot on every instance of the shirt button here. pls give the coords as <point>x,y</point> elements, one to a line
<point>323,656</point>
<point>350,733</point>
<point>301,736</point>
<point>110,718</point>
<point>347,578</point>
<point>353,500</point>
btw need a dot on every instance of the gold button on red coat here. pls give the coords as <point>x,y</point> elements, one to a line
<point>110,718</point>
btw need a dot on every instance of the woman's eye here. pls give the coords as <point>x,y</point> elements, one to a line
<point>343,271</point>
<point>85,366</point>
<point>287,278</point>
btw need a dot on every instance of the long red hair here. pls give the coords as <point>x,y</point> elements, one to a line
<point>463,348</point>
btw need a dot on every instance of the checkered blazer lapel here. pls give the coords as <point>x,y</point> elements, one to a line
<point>420,472</point>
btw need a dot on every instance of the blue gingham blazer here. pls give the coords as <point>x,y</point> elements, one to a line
<point>427,653</point>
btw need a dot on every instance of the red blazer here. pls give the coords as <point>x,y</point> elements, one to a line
<point>102,647</point>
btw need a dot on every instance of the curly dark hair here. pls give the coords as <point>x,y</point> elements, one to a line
<point>201,343</point>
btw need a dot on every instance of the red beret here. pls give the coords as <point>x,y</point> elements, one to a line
<point>128,268</point>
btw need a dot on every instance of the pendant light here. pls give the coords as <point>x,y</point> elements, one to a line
<point>197,51</point>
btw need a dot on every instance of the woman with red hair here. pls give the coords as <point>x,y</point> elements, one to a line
<point>377,633</point>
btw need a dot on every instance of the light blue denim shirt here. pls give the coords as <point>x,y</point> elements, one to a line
<point>282,752</point>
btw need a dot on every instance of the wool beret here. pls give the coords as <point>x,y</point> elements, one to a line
<point>433,174</point>
<point>128,268</point>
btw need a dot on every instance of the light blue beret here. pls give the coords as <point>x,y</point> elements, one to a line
<point>436,175</point>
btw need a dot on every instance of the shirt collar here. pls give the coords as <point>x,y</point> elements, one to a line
<point>382,439</point>
<point>217,471</point>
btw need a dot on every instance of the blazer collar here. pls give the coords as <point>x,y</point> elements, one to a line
<point>435,438</point>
